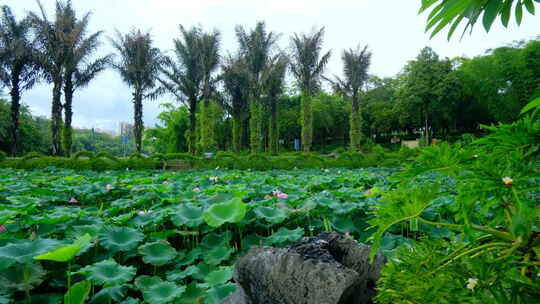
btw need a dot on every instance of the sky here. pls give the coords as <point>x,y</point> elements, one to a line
<point>392,29</point>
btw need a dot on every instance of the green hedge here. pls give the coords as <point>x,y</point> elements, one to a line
<point>101,161</point>
<point>3,156</point>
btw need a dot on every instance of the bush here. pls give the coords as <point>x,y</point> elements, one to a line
<point>107,155</point>
<point>83,154</point>
<point>31,155</point>
<point>3,156</point>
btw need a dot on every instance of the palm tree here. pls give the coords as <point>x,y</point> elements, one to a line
<point>307,66</point>
<point>356,63</point>
<point>256,47</point>
<point>18,70</point>
<point>209,45</point>
<point>79,70</point>
<point>138,65</point>
<point>274,76</point>
<point>51,45</point>
<point>184,76</point>
<point>236,81</point>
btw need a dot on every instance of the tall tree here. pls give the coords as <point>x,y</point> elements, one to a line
<point>236,81</point>
<point>209,46</point>
<point>307,66</point>
<point>424,82</point>
<point>18,70</point>
<point>273,79</point>
<point>256,47</point>
<point>51,45</point>
<point>79,70</point>
<point>356,63</point>
<point>138,65</point>
<point>183,76</point>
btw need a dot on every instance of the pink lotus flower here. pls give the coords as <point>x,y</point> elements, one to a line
<point>2,228</point>
<point>166,182</point>
<point>196,189</point>
<point>33,235</point>
<point>283,195</point>
<point>279,194</point>
<point>109,187</point>
<point>73,200</point>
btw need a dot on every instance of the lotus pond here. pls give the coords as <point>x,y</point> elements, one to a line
<point>163,237</point>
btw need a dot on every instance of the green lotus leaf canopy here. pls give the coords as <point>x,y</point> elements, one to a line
<point>66,253</point>
<point>21,277</point>
<point>157,253</point>
<point>78,293</point>
<point>272,215</point>
<point>219,276</point>
<point>24,251</point>
<point>188,215</point>
<point>284,235</point>
<point>108,272</point>
<point>155,290</point>
<point>232,211</point>
<point>120,238</point>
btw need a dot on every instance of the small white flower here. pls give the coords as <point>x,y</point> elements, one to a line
<point>214,179</point>
<point>196,189</point>
<point>475,156</point>
<point>471,283</point>
<point>508,181</point>
<point>109,187</point>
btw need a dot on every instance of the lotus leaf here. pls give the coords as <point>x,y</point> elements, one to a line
<point>217,255</point>
<point>21,277</point>
<point>284,235</point>
<point>157,291</point>
<point>219,276</point>
<point>188,215</point>
<point>216,294</point>
<point>66,253</point>
<point>157,253</point>
<point>24,251</point>
<point>232,211</point>
<point>108,272</point>
<point>120,238</point>
<point>78,293</point>
<point>272,215</point>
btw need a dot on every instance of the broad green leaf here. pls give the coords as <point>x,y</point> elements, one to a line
<point>219,276</point>
<point>535,104</point>
<point>24,251</point>
<point>232,211</point>
<point>157,291</point>
<point>284,235</point>
<point>66,253</point>
<point>108,272</point>
<point>120,238</point>
<point>490,13</point>
<point>78,293</point>
<point>272,215</point>
<point>188,215</point>
<point>157,253</point>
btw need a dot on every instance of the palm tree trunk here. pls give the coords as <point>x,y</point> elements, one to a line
<point>207,134</point>
<point>138,127</point>
<point>307,122</point>
<point>68,114</point>
<point>273,130</point>
<point>15,110</point>
<point>355,124</point>
<point>255,125</point>
<point>237,133</point>
<point>192,127</point>
<point>56,115</point>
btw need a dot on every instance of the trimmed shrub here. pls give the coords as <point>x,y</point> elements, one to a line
<point>106,155</point>
<point>83,154</point>
<point>31,155</point>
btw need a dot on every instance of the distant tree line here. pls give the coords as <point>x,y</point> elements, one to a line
<point>242,101</point>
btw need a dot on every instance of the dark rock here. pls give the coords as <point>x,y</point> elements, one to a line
<point>327,269</point>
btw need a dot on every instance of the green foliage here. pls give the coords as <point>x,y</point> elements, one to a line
<point>3,156</point>
<point>108,272</point>
<point>447,13</point>
<point>31,155</point>
<point>83,154</point>
<point>78,293</point>
<point>492,246</point>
